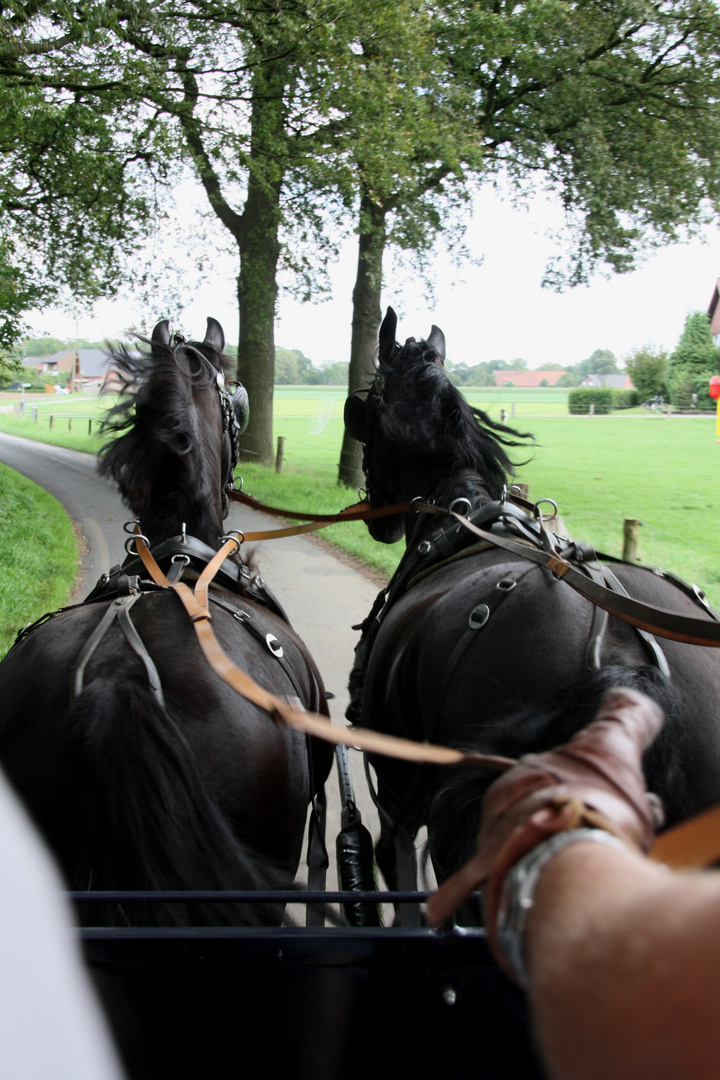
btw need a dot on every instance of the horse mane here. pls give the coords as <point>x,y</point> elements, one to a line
<point>426,413</point>
<point>158,454</point>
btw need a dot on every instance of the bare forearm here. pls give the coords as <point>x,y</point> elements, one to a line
<point>624,965</point>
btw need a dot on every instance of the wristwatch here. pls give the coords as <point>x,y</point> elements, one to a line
<point>517,893</point>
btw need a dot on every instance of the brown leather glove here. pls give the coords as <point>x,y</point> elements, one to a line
<point>594,780</point>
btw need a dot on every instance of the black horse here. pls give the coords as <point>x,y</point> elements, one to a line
<point>140,766</point>
<point>475,646</point>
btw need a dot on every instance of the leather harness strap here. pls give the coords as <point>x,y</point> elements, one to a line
<point>644,617</point>
<point>668,624</point>
<point>692,844</point>
<point>289,710</point>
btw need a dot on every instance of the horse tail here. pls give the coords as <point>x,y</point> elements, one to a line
<point>149,820</point>
<point>454,815</point>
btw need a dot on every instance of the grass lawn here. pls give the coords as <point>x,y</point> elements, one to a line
<point>599,470</point>
<point>38,554</point>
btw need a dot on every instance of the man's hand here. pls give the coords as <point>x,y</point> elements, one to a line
<point>594,780</point>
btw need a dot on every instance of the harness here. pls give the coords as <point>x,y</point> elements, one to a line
<point>514,524</point>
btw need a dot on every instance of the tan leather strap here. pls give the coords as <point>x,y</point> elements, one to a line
<point>691,845</point>
<point>283,709</point>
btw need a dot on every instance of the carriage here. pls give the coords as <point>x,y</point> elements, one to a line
<point>148,716</point>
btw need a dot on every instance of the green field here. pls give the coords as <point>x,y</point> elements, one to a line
<point>599,470</point>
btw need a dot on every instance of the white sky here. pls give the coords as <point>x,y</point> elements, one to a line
<point>493,311</point>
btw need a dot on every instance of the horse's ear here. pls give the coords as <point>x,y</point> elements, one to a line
<point>161,334</point>
<point>214,335</point>
<point>436,340</point>
<point>355,417</point>
<point>388,335</point>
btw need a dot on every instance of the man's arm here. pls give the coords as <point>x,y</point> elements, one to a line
<point>623,962</point>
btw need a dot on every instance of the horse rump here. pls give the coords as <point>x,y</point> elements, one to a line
<point>149,821</point>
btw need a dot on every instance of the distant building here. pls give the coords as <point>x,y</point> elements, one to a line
<point>527,378</point>
<point>93,364</point>
<point>620,381</point>
<point>714,314</point>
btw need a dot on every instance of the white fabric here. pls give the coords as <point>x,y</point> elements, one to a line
<point>51,1026</point>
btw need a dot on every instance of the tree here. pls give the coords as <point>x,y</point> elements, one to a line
<point>693,363</point>
<point>10,367</point>
<point>648,371</point>
<point>72,207</point>
<point>291,367</point>
<point>612,106</point>
<point>235,93</point>
<point>602,362</point>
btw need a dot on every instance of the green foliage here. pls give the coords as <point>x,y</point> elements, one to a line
<point>648,371</point>
<point>692,364</point>
<point>10,367</point>
<point>624,399</point>
<point>580,400</point>
<point>463,374</point>
<point>615,105</point>
<point>291,367</point>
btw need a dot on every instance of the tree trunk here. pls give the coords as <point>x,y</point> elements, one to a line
<point>365,325</point>
<point>259,252</point>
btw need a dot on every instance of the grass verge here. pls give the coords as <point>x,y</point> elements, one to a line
<point>38,554</point>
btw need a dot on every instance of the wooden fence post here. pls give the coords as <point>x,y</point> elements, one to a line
<point>630,536</point>
<point>280,453</point>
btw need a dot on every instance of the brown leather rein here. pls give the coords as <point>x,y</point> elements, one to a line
<point>290,710</point>
<point>694,843</point>
<point>654,620</point>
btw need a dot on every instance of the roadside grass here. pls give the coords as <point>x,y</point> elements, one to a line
<point>38,554</point>
<point>71,420</point>
<point>600,470</point>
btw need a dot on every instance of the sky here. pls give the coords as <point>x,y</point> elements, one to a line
<point>495,310</point>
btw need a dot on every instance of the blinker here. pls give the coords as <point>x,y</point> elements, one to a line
<point>355,416</point>
<point>241,407</point>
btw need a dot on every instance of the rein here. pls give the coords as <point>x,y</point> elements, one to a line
<point>289,710</point>
<point>691,844</point>
<point>660,621</point>
<point>652,620</point>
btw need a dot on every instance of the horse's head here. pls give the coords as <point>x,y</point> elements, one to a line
<point>418,431</point>
<point>175,461</point>
<point>235,407</point>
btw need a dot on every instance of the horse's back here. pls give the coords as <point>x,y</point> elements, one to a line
<point>117,736</point>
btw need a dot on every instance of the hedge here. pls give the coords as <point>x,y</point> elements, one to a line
<point>580,400</point>
<point>625,399</point>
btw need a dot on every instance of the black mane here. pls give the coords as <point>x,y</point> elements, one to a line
<point>422,411</point>
<point>164,449</point>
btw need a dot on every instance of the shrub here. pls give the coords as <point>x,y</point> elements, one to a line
<point>625,399</point>
<point>580,400</point>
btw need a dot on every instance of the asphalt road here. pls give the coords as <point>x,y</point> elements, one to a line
<point>322,594</point>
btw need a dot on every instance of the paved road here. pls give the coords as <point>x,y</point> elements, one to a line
<point>323,595</point>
